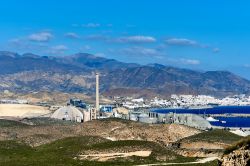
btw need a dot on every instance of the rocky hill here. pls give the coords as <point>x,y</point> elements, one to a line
<point>30,137</point>
<point>76,73</point>
<point>237,155</point>
<point>47,130</point>
<point>170,80</point>
<point>206,144</point>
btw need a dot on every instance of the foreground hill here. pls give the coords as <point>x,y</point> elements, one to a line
<point>47,130</point>
<point>45,141</point>
<point>237,154</point>
<point>206,144</point>
<point>70,151</point>
<point>76,73</point>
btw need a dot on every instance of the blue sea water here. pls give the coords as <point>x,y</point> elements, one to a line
<point>214,110</point>
<point>232,122</point>
<point>227,110</point>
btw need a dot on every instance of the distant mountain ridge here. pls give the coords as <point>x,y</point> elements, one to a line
<point>170,80</point>
<point>76,73</point>
<point>94,62</point>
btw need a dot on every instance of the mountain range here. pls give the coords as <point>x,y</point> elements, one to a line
<point>76,73</point>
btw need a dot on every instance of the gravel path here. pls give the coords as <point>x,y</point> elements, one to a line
<point>107,156</point>
<point>202,161</point>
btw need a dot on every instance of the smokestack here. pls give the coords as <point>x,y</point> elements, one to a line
<point>97,95</point>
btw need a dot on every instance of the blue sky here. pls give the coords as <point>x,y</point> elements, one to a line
<point>201,35</point>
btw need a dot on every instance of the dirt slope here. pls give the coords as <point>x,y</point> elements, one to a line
<point>109,129</point>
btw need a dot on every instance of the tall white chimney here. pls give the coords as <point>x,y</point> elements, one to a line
<point>97,95</point>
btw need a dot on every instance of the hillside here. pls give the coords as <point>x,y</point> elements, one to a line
<point>206,144</point>
<point>76,73</point>
<point>70,151</point>
<point>113,142</point>
<point>100,142</point>
<point>170,80</point>
<point>47,130</point>
<point>237,154</point>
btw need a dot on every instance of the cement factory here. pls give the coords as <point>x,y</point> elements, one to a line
<point>79,112</point>
<point>200,111</point>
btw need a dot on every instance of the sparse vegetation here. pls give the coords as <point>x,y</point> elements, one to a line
<point>60,143</point>
<point>44,121</point>
<point>216,135</point>
<point>239,144</point>
<point>65,152</point>
<point>11,123</point>
<point>211,163</point>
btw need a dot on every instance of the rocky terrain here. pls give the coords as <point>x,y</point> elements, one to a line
<point>206,144</point>
<point>98,142</point>
<point>35,135</point>
<point>118,140</point>
<point>89,150</point>
<point>76,73</point>
<point>237,155</point>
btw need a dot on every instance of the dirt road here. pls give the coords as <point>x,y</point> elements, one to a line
<point>202,161</point>
<point>107,156</point>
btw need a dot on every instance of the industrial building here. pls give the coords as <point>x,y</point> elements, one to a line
<point>77,111</point>
<point>106,108</point>
<point>69,113</point>
<point>77,103</point>
<point>191,120</point>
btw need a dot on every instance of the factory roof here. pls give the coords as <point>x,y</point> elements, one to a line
<point>68,113</point>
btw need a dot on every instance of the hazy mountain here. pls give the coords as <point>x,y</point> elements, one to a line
<point>84,60</point>
<point>13,63</point>
<point>169,80</point>
<point>76,73</point>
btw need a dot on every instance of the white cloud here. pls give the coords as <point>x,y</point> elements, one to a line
<point>72,35</point>
<point>128,39</point>
<point>190,43</point>
<point>140,51</point>
<point>40,37</point>
<point>246,65</point>
<point>23,45</point>
<point>58,49</point>
<point>15,41</point>
<point>216,50</point>
<point>85,48</point>
<point>100,54</point>
<point>136,39</point>
<point>189,61</point>
<point>91,25</point>
<point>97,37</point>
<point>181,42</point>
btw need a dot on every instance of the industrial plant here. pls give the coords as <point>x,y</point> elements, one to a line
<point>201,112</point>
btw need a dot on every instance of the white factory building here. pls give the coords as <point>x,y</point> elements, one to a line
<point>69,113</point>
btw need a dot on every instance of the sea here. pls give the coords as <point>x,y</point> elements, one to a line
<point>224,121</point>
